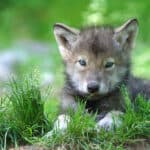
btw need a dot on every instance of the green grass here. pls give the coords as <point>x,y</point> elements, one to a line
<point>22,113</point>
<point>24,119</point>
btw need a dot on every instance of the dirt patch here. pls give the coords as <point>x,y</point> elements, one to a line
<point>139,145</point>
<point>29,147</point>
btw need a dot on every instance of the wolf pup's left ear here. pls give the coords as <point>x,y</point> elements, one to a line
<point>126,34</point>
<point>65,37</point>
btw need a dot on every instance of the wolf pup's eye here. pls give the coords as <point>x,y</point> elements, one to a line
<point>109,64</point>
<point>82,62</point>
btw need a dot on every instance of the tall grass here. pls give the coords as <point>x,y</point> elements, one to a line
<point>22,117</point>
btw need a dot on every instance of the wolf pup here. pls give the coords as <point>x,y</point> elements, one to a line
<point>97,63</point>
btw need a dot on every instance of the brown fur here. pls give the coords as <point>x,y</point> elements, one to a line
<point>97,45</point>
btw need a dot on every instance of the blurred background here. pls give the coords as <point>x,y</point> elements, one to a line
<point>27,42</point>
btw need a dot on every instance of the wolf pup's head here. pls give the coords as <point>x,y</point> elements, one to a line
<point>97,59</point>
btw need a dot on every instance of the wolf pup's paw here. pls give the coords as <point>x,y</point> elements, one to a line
<point>60,125</point>
<point>110,121</point>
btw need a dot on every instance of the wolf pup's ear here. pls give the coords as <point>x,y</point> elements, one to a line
<point>126,34</point>
<point>65,37</point>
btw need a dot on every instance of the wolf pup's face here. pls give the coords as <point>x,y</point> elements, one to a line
<point>97,59</point>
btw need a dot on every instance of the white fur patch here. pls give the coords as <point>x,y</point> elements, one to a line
<point>60,125</point>
<point>80,85</point>
<point>62,122</point>
<point>64,52</point>
<point>83,87</point>
<point>111,120</point>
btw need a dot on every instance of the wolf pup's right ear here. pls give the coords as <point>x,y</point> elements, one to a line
<point>65,37</point>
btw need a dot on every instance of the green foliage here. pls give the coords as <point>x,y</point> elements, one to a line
<point>35,18</point>
<point>23,117</point>
<point>141,61</point>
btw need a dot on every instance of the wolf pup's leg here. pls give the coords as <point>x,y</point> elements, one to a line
<point>112,119</point>
<point>63,119</point>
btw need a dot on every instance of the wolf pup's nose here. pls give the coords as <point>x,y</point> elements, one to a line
<point>93,87</point>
